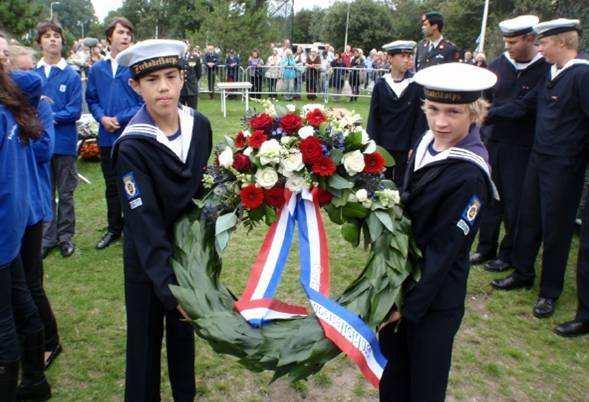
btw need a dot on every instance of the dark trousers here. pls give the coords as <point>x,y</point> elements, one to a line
<point>190,101</point>
<point>583,269</point>
<point>33,269</point>
<point>551,192</point>
<point>114,214</point>
<point>508,163</point>
<point>397,172</point>
<point>145,324</point>
<point>256,81</point>
<point>18,313</point>
<point>211,80</point>
<point>65,179</point>
<point>419,356</point>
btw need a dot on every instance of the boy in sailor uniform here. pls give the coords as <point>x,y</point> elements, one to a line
<point>554,177</point>
<point>509,142</point>
<point>160,159</point>
<point>395,119</point>
<point>446,186</point>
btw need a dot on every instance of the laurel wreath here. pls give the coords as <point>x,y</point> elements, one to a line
<point>296,347</point>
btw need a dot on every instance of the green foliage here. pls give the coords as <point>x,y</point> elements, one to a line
<point>71,14</point>
<point>18,17</point>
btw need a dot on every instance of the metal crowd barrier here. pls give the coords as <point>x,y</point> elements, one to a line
<point>313,83</point>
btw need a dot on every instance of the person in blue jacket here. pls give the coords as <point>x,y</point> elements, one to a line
<point>21,330</point>
<point>112,102</point>
<point>446,186</point>
<point>64,89</point>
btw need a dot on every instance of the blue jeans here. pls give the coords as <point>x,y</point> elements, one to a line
<point>18,314</point>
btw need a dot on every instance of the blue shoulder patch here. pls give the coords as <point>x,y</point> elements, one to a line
<point>472,209</point>
<point>132,190</point>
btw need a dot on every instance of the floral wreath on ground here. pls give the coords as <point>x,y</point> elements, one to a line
<point>285,164</point>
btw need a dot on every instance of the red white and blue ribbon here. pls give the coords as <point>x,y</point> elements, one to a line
<point>258,306</point>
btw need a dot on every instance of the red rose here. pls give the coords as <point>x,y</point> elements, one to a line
<point>311,149</point>
<point>256,139</point>
<point>323,196</point>
<point>240,140</point>
<point>241,163</point>
<point>324,167</point>
<point>274,197</point>
<point>262,122</point>
<point>291,123</point>
<point>373,163</point>
<point>315,117</point>
<point>251,196</point>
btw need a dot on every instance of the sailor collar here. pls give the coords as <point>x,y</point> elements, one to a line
<point>555,71</point>
<point>451,153</point>
<point>522,66</point>
<point>392,84</point>
<point>142,125</point>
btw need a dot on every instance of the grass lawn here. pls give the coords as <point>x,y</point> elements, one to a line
<point>502,353</point>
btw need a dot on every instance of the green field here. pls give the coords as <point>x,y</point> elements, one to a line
<point>502,353</point>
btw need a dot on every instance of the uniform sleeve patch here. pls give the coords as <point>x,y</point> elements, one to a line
<point>471,211</point>
<point>462,225</point>
<point>132,190</point>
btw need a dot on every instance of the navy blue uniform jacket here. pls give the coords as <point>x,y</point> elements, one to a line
<point>443,200</point>
<point>562,111</point>
<point>156,189</point>
<point>514,84</point>
<point>396,123</point>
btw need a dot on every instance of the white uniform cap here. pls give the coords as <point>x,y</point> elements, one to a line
<point>554,27</point>
<point>454,82</point>
<point>517,26</point>
<point>151,55</point>
<point>399,46</point>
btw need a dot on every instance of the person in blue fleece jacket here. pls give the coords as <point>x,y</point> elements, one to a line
<point>64,89</point>
<point>112,103</point>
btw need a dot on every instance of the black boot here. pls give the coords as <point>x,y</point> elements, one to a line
<point>8,380</point>
<point>34,385</point>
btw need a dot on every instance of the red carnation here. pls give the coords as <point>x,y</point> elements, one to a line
<point>240,140</point>
<point>315,117</point>
<point>256,139</point>
<point>241,163</point>
<point>324,166</point>
<point>262,122</point>
<point>251,196</point>
<point>373,163</point>
<point>311,149</point>
<point>291,123</point>
<point>323,196</point>
<point>274,197</point>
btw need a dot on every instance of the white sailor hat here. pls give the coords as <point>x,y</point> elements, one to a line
<point>399,46</point>
<point>517,26</point>
<point>151,55</point>
<point>456,83</point>
<point>554,27</point>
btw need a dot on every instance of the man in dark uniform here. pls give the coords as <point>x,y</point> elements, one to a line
<point>509,142</point>
<point>160,159</point>
<point>192,72</point>
<point>447,184</point>
<point>554,177</point>
<point>434,48</point>
<point>211,60</point>
<point>395,120</point>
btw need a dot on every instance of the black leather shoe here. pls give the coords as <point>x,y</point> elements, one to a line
<point>56,351</point>
<point>544,307</point>
<point>572,328</point>
<point>511,283</point>
<point>497,265</point>
<point>107,239</point>
<point>478,258</point>
<point>66,248</point>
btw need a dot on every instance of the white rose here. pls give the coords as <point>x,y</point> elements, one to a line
<point>296,183</point>
<point>370,147</point>
<point>270,152</point>
<point>226,158</point>
<point>293,162</point>
<point>291,108</point>
<point>266,177</point>
<point>306,131</point>
<point>353,162</point>
<point>362,195</point>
